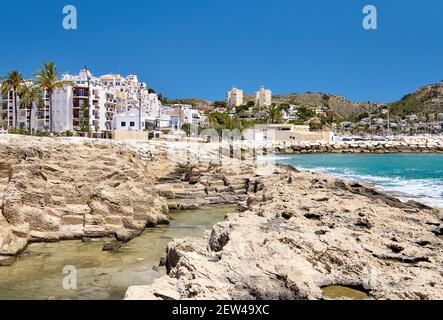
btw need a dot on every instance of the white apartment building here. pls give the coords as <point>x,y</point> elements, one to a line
<point>27,116</point>
<point>104,97</point>
<point>133,91</point>
<point>263,97</point>
<point>91,98</point>
<point>234,98</point>
<point>6,112</point>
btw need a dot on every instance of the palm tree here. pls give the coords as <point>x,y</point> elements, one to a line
<point>48,79</point>
<point>14,82</point>
<point>273,113</point>
<point>212,118</point>
<point>31,95</point>
<point>84,119</point>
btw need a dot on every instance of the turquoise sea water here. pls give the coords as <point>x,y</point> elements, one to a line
<point>408,176</point>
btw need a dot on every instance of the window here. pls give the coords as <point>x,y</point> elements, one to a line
<point>132,124</point>
<point>123,124</point>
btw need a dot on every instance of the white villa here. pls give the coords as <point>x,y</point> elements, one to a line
<point>184,114</point>
<point>291,113</point>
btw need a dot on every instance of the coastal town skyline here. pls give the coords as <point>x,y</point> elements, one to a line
<point>297,52</point>
<point>111,105</point>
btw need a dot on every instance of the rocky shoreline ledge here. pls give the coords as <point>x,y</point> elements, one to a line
<point>293,234</point>
<point>66,189</point>
<point>300,232</point>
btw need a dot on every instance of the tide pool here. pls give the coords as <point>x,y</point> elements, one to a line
<point>102,275</point>
<point>416,177</point>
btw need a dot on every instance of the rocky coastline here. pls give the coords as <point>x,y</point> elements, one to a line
<point>67,189</point>
<point>293,233</point>
<point>298,233</point>
<point>302,232</point>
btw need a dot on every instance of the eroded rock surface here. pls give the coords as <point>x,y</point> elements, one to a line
<point>293,234</point>
<point>301,232</point>
<point>58,189</point>
<point>63,189</point>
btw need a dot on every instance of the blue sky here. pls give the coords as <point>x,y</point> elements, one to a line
<point>201,48</point>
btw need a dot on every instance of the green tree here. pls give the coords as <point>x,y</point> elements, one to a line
<point>240,110</point>
<point>31,95</point>
<point>186,127</point>
<point>323,121</point>
<point>162,99</point>
<point>14,82</point>
<point>258,110</point>
<point>84,126</point>
<point>219,104</point>
<point>284,106</point>
<point>274,114</point>
<point>212,118</point>
<point>326,99</point>
<point>219,121</point>
<point>362,116</point>
<point>47,78</point>
<point>315,125</point>
<point>305,113</point>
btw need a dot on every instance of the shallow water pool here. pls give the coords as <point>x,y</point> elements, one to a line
<point>101,275</point>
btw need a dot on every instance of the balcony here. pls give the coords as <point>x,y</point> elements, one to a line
<point>80,93</point>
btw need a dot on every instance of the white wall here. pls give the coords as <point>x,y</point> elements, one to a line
<point>122,122</point>
<point>62,102</point>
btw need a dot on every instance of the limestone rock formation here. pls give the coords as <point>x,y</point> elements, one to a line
<point>63,189</point>
<point>303,232</point>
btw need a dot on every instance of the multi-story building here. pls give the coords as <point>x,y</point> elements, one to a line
<point>263,97</point>
<point>96,101</point>
<point>28,116</point>
<point>89,105</point>
<point>234,98</point>
<point>7,111</point>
